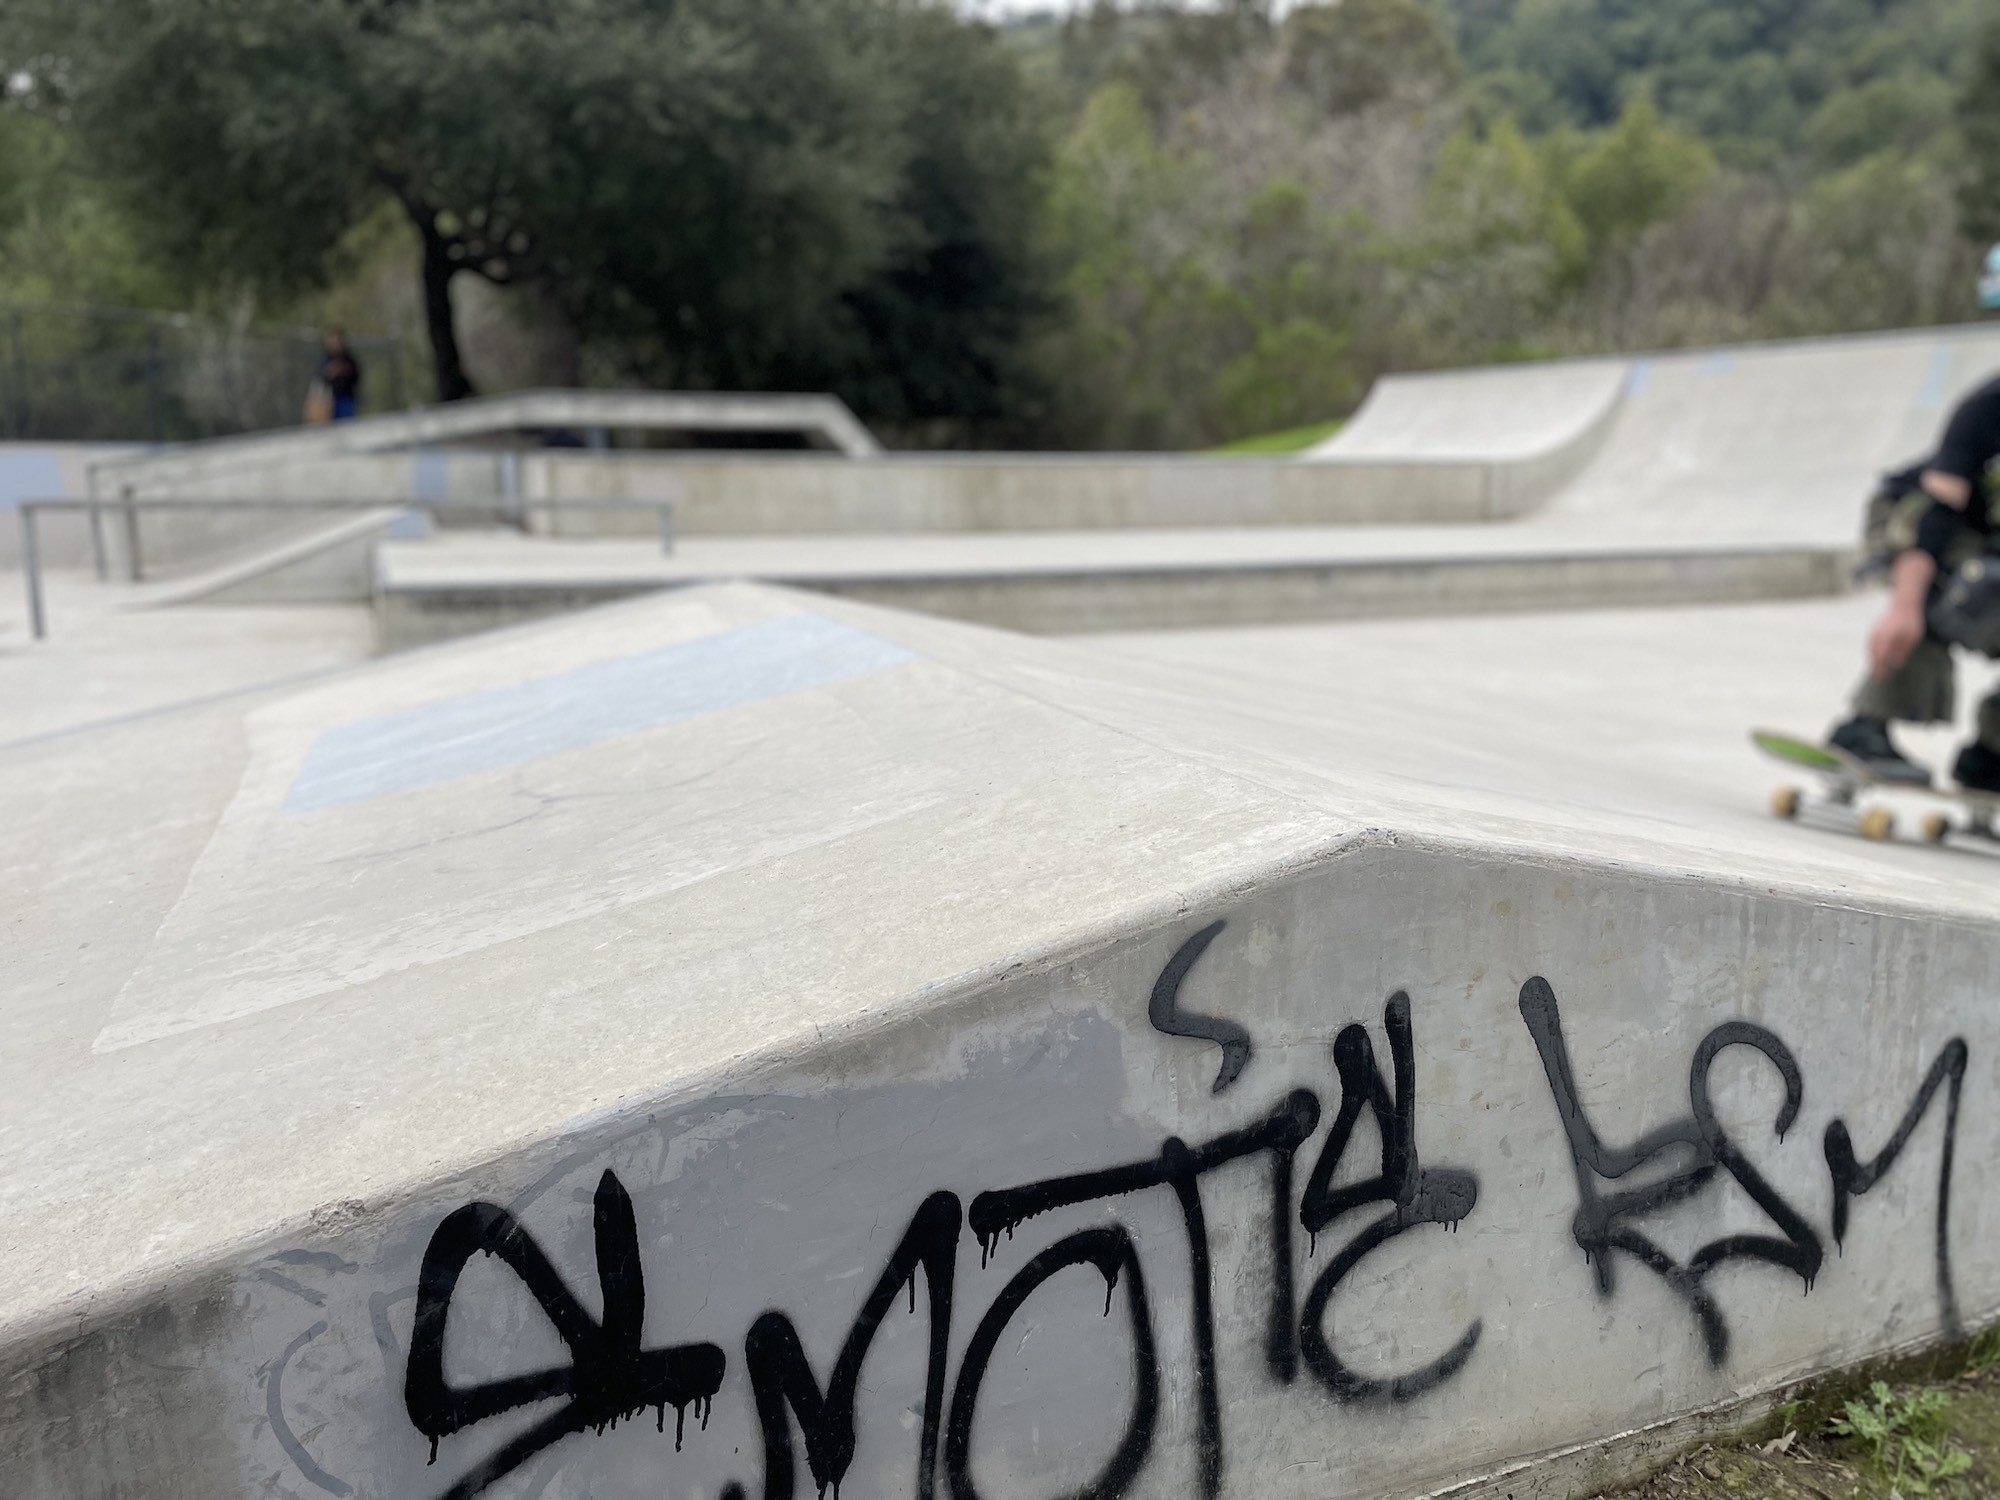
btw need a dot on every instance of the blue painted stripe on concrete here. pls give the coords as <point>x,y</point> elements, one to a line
<point>507,726</point>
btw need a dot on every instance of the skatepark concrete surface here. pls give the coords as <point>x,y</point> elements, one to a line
<point>731,964</point>
<point>103,661</point>
<point>1383,1047</point>
<point>1711,476</point>
<point>1704,476</point>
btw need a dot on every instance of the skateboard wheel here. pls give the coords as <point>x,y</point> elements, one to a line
<point>1785,802</point>
<point>1936,827</point>
<point>1878,823</point>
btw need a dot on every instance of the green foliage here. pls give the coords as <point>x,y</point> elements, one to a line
<point>937,332</point>
<point>61,238</point>
<point>1983,1352</point>
<point>1637,174</point>
<point>1901,112</point>
<point>717,192</point>
<point>1199,305</point>
<point>1145,225</point>
<point>1979,121</point>
<point>1879,247</point>
<point>1905,1436</point>
<point>1750,76</point>
<point>1349,56</point>
<point>1289,440</point>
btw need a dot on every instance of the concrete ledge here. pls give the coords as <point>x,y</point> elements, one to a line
<point>413,609</point>
<point>768,494</point>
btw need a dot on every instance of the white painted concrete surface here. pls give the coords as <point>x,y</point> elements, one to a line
<point>1507,412</point>
<point>732,946</point>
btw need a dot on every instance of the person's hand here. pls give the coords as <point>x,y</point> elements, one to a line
<point>1894,637</point>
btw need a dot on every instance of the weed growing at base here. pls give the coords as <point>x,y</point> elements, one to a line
<point>1905,1436</point>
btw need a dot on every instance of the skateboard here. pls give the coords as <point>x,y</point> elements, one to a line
<point>1844,781</point>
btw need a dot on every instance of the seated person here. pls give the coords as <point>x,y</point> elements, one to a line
<point>1936,520</point>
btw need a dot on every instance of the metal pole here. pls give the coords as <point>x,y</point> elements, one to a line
<point>510,487</point>
<point>133,569</point>
<point>31,564</point>
<point>97,556</point>
<point>667,527</point>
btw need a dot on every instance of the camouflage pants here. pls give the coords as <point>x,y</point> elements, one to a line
<point>1924,690</point>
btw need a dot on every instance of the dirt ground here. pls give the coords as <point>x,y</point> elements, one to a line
<point>1913,1443</point>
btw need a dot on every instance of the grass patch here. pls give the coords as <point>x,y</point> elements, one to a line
<point>1923,1427</point>
<point>1906,1435</point>
<point>1291,440</point>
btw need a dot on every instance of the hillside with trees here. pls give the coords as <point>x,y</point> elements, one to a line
<point>1137,227</point>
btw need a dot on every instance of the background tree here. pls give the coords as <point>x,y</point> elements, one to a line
<point>711,179</point>
<point>1154,223</point>
<point>1979,119</point>
<point>891,258</point>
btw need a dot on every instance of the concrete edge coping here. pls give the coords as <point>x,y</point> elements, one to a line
<point>679,574</point>
<point>66,1320</point>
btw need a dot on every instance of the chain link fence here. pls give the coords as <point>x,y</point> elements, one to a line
<point>100,374</point>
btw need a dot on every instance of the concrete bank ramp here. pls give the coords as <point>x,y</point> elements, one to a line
<point>1531,427</point>
<point>1774,442</point>
<point>1763,443</point>
<point>736,1043</point>
<point>1504,412</point>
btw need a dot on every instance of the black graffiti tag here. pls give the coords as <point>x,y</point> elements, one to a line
<point>1851,1176</point>
<point>1181,1167</point>
<point>1417,1195</point>
<point>781,1376</point>
<point>1692,1151</point>
<point>1112,1252</point>
<point>609,1377</point>
<point>1164,1011</point>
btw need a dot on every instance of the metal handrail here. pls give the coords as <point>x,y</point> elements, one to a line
<point>516,506</point>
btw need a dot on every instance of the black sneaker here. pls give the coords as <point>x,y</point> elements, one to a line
<point>1867,740</point>
<point>1977,769</point>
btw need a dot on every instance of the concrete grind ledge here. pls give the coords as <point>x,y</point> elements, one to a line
<point>883,1044</point>
<point>1053,600</point>
<point>1450,1356</point>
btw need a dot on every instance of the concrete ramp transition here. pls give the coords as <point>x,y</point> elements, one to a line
<point>740,1044</point>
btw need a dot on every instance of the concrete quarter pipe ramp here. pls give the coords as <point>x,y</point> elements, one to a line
<point>734,1043</point>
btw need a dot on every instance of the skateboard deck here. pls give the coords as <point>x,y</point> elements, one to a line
<point>1844,781</point>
